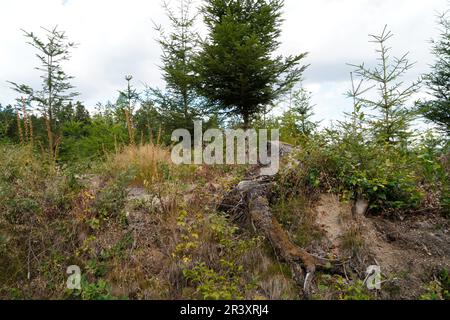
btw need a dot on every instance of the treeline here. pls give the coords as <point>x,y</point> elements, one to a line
<point>226,79</point>
<point>229,78</point>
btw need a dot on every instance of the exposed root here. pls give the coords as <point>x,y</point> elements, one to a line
<point>300,261</point>
<point>249,199</point>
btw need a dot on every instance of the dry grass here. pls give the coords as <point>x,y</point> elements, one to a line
<point>150,162</point>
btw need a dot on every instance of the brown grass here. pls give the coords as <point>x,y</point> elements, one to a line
<point>148,160</point>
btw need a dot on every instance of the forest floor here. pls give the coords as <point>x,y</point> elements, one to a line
<point>410,251</point>
<point>161,234</point>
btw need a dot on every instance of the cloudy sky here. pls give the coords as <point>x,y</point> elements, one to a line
<point>116,38</point>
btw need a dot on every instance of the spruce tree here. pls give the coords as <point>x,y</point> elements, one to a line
<point>437,110</point>
<point>56,90</point>
<point>81,114</point>
<point>128,98</point>
<point>393,116</point>
<point>302,109</point>
<point>296,124</point>
<point>236,66</point>
<point>179,102</point>
<point>126,105</point>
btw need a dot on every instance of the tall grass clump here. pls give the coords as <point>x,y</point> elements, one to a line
<point>148,163</point>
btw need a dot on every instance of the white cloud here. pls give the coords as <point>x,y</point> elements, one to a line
<point>116,38</point>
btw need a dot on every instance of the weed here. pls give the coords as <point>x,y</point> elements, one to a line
<point>97,290</point>
<point>439,288</point>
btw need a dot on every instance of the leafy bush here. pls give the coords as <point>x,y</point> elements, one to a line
<point>95,290</point>
<point>355,291</point>
<point>337,287</point>
<point>389,176</point>
<point>213,285</point>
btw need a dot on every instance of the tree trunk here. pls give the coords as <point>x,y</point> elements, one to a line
<point>246,118</point>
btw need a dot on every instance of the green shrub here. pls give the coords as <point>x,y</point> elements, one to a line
<point>219,275</point>
<point>213,285</point>
<point>353,291</point>
<point>439,288</point>
<point>388,176</point>
<point>94,290</point>
<point>339,288</point>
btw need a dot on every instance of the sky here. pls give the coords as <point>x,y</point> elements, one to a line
<point>116,38</point>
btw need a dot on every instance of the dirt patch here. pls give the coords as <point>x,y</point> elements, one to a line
<point>331,216</point>
<point>409,252</point>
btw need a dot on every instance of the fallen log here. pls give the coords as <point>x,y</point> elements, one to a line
<point>250,200</point>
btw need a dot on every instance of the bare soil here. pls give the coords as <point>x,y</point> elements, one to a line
<point>409,252</point>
